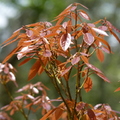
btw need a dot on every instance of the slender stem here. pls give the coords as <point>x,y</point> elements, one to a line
<point>68,89</point>
<point>77,93</point>
<point>8,92</point>
<point>63,88</point>
<point>59,91</point>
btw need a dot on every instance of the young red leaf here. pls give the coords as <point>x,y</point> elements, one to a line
<point>41,69</point>
<point>88,84</point>
<point>104,28</point>
<point>29,33</point>
<point>91,24</point>
<point>85,59</point>
<point>65,11</point>
<point>104,42</point>
<point>88,38</point>
<point>75,60</point>
<point>73,8</point>
<point>112,27</point>
<point>100,55</point>
<point>102,76</point>
<point>65,41</point>
<point>57,114</point>
<point>34,69</point>
<point>80,5</point>
<point>11,41</point>
<point>33,24</point>
<point>91,114</point>
<point>115,36</point>
<point>60,20</point>
<point>93,67</point>
<point>50,35</point>
<point>48,114</point>
<point>118,89</point>
<point>84,15</point>
<point>100,31</point>
<point>69,26</point>
<point>15,34</point>
<point>11,54</point>
<point>66,70</point>
<point>97,21</point>
<point>24,61</point>
<point>66,76</point>
<point>105,49</point>
<point>47,53</point>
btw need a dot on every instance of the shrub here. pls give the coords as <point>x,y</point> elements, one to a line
<point>58,50</point>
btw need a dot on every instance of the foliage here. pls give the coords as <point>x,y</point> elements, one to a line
<point>58,50</point>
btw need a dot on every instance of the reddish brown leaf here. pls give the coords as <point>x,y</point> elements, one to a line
<point>75,60</point>
<point>97,21</point>
<point>10,42</point>
<point>91,114</point>
<point>59,20</point>
<point>80,5</point>
<point>104,28</point>
<point>85,59</point>
<point>115,36</point>
<point>77,34</point>
<point>112,27</point>
<point>66,76</point>
<point>65,41</point>
<point>40,70</point>
<point>33,24</point>
<point>93,67</point>
<point>48,114</point>
<point>102,76</point>
<point>47,53</point>
<point>50,35</point>
<point>105,49</point>
<point>11,54</point>
<point>66,70</point>
<point>84,15</point>
<point>64,12</point>
<point>84,54</point>
<point>12,112</point>
<point>100,55</point>
<point>69,26</point>
<point>91,24</point>
<point>118,89</point>
<point>24,61</point>
<point>83,74</point>
<point>34,69</point>
<point>88,84</point>
<point>85,117</point>
<point>80,106</point>
<point>104,42</point>
<point>73,8</point>
<point>88,38</point>
<point>57,114</point>
<point>15,34</point>
<point>29,32</point>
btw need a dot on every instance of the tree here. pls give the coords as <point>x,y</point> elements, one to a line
<point>63,51</point>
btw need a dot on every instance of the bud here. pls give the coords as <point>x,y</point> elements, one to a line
<point>30,96</point>
<point>35,90</point>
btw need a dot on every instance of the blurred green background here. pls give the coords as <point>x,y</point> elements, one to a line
<point>16,13</point>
